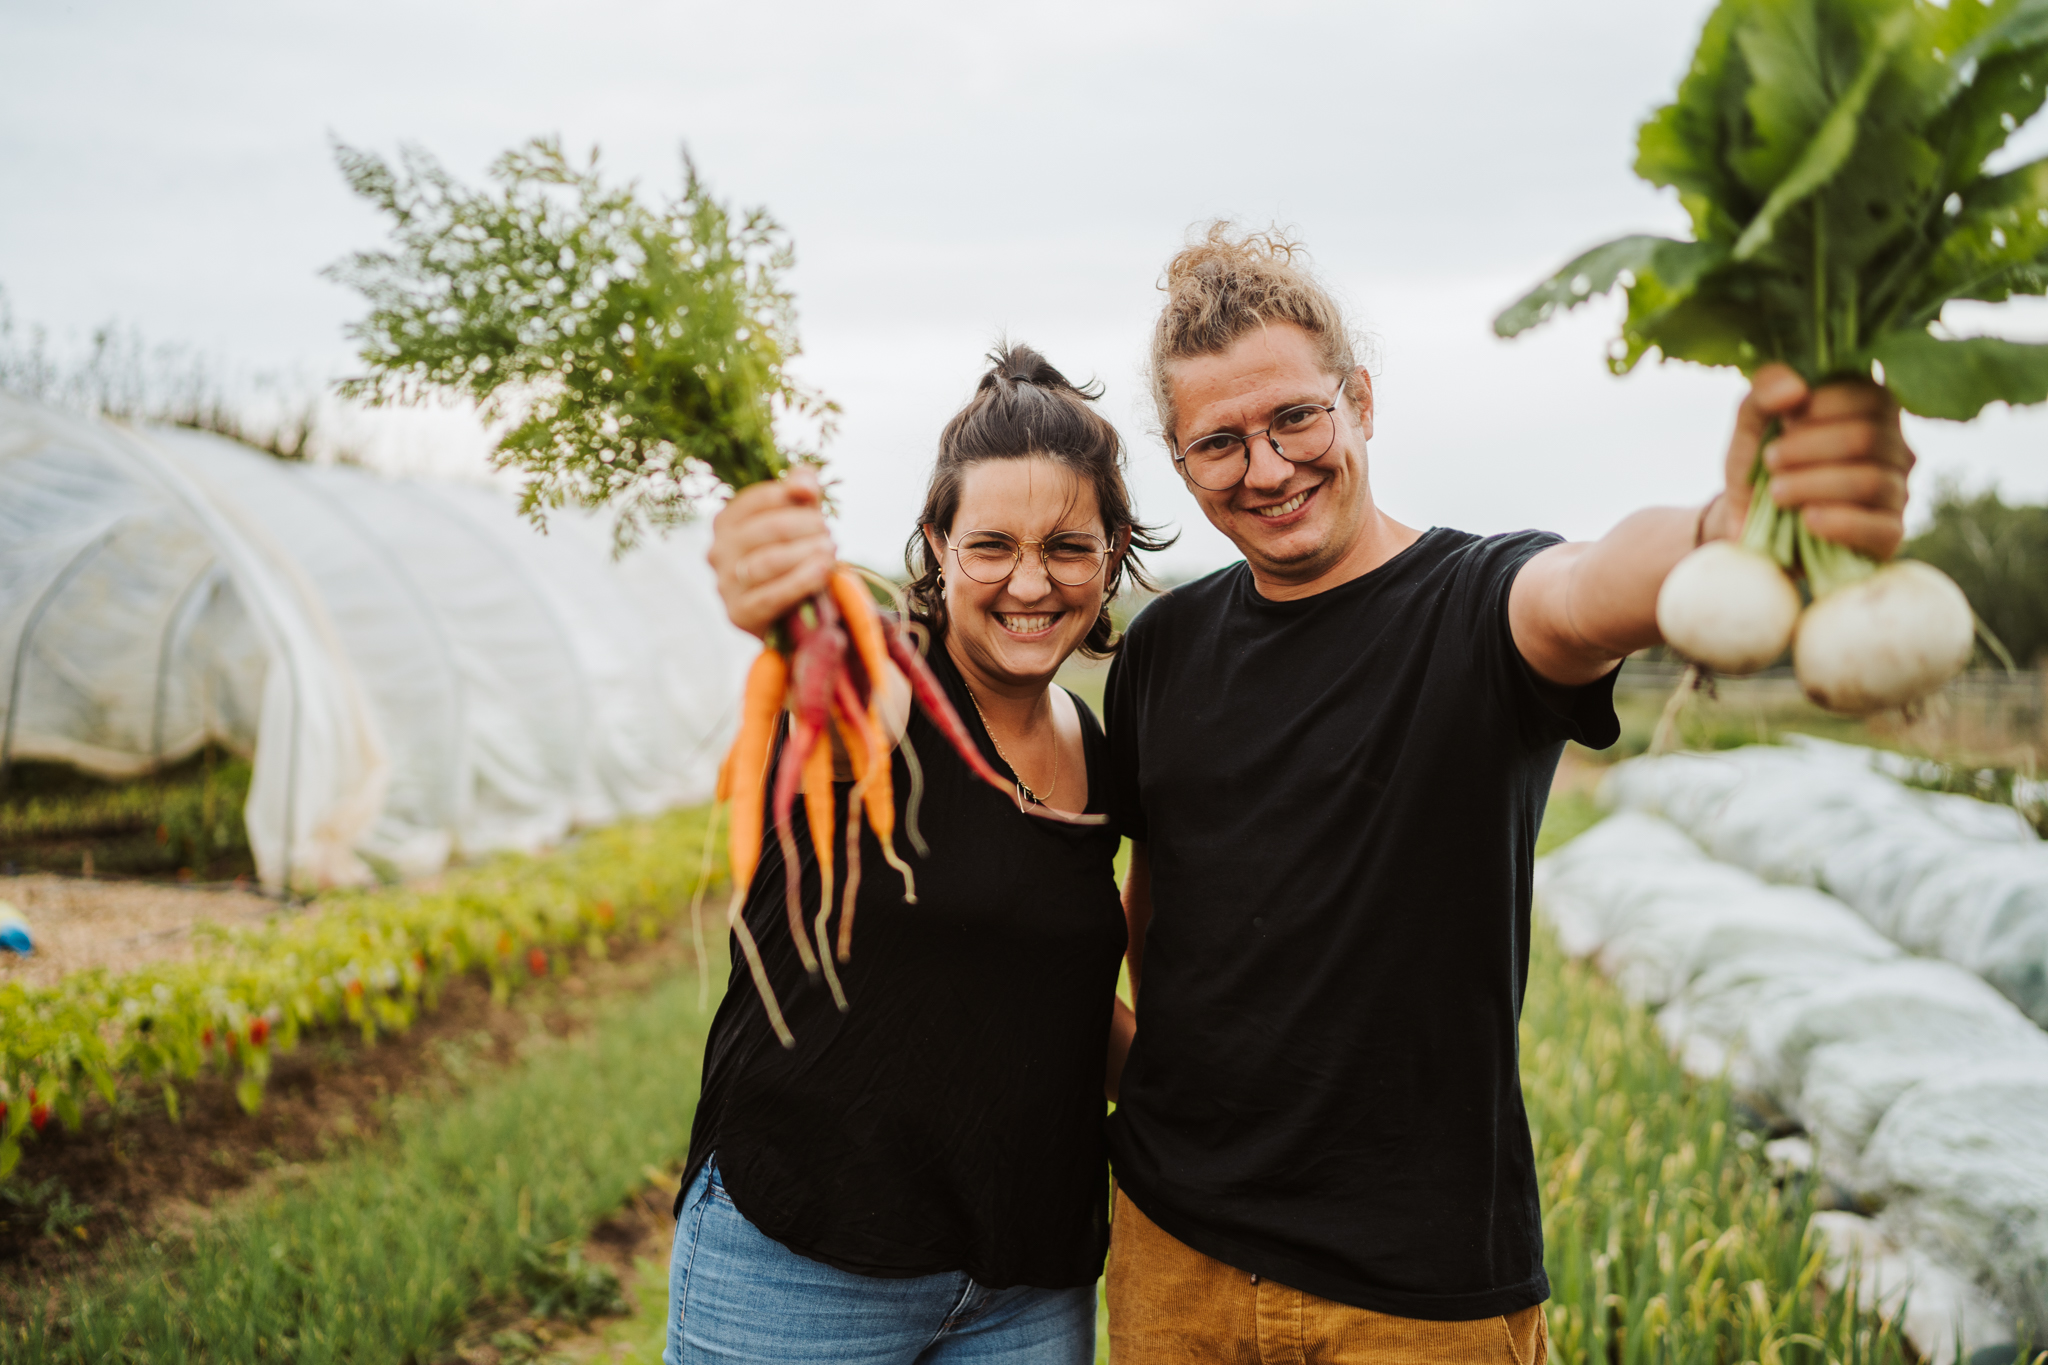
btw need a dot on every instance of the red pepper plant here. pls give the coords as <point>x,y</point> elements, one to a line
<point>637,357</point>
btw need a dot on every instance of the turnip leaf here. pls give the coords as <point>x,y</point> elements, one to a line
<point>1958,379</point>
<point>1833,139</point>
<point>1596,272</point>
<point>1975,118</point>
<point>1790,55</point>
<point>1996,246</point>
<point>1831,155</point>
<point>1683,145</point>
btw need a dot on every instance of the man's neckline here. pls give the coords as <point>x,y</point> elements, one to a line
<point>1376,572</point>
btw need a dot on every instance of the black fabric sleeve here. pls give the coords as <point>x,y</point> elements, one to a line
<point>1546,712</point>
<point>1119,718</point>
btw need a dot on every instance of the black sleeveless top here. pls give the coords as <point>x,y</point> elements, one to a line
<point>952,1120</point>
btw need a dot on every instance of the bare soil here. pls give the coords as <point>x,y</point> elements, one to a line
<point>79,923</point>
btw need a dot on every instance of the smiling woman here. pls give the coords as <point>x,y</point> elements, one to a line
<point>920,1177</point>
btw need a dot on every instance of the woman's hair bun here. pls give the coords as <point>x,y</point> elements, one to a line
<point>1016,363</point>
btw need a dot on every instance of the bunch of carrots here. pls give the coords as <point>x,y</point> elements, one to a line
<point>830,680</point>
<point>677,329</point>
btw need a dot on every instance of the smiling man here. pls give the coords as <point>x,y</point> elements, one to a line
<point>1333,758</point>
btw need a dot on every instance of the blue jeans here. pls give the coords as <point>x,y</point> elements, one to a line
<point>736,1294</point>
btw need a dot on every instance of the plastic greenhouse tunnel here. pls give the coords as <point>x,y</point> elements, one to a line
<point>414,671</point>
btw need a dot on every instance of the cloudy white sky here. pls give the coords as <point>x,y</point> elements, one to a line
<point>950,173</point>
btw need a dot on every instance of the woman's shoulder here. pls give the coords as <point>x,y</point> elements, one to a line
<point>1091,724</point>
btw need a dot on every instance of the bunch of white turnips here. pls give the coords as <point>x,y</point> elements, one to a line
<point>1846,169</point>
<point>1874,636</point>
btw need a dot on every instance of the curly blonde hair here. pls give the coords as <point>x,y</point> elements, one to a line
<point>1228,282</point>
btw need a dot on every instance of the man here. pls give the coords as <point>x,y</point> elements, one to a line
<point>1332,759</point>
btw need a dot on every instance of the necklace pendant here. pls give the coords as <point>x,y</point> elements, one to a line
<point>1026,796</point>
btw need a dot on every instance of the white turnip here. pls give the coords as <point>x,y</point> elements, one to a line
<point>1728,608</point>
<point>1885,640</point>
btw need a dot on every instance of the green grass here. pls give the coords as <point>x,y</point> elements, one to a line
<point>638,1338</point>
<point>382,1253</point>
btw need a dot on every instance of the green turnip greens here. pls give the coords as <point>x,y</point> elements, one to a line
<point>1831,155</point>
<point>1834,158</point>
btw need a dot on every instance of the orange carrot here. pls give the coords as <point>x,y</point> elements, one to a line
<point>745,774</point>
<point>864,626</point>
<point>745,778</point>
<point>817,780</point>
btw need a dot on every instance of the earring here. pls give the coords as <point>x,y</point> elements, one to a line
<point>942,580</point>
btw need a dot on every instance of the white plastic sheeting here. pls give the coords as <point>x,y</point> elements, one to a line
<point>1925,1090</point>
<point>1945,876</point>
<point>417,672</point>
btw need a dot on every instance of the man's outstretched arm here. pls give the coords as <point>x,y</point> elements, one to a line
<point>1578,609</point>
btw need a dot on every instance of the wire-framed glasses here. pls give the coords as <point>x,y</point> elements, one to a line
<point>1070,558</point>
<point>1301,434</point>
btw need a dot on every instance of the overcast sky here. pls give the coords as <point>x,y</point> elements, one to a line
<point>950,174</point>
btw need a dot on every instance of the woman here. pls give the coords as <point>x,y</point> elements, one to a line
<point>921,1178</point>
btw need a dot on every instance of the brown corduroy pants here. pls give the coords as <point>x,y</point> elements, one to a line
<point>1171,1305</point>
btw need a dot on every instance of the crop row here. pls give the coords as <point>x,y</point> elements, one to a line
<point>1668,1238</point>
<point>368,960</point>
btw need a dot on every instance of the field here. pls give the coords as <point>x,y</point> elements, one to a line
<point>476,1165</point>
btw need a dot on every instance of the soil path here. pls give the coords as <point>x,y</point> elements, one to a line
<point>78,924</point>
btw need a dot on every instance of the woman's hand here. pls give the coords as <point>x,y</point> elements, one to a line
<point>771,549</point>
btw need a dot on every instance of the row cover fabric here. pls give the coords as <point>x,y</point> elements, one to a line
<point>1941,875</point>
<point>1925,1090</point>
<point>417,673</point>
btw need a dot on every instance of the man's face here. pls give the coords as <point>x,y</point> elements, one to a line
<point>1292,522</point>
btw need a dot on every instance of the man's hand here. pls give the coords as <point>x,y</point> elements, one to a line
<point>771,549</point>
<point>1839,458</point>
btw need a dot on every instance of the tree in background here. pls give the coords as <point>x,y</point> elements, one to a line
<point>1998,554</point>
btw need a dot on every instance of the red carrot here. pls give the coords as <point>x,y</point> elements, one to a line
<point>820,657</point>
<point>932,697</point>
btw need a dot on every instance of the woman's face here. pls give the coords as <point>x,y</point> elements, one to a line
<point>1021,629</point>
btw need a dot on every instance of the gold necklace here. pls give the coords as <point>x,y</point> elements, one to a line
<point>1024,793</point>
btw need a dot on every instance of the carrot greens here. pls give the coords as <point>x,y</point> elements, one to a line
<point>637,357</point>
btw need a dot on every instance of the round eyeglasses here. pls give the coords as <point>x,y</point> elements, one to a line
<point>1301,434</point>
<point>1069,558</point>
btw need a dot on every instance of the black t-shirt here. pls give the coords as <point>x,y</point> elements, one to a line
<point>952,1120</point>
<point>1340,797</point>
